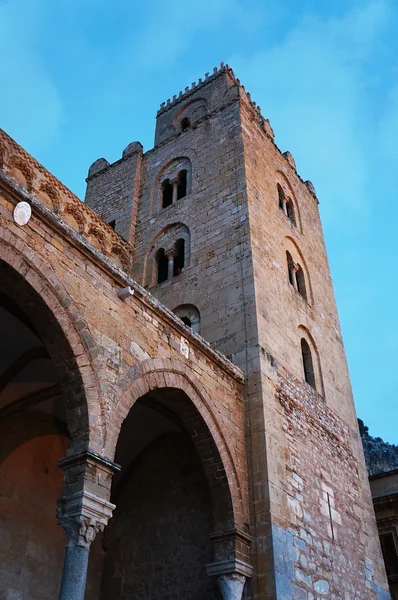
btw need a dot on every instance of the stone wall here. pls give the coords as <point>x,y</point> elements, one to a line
<point>158,545</point>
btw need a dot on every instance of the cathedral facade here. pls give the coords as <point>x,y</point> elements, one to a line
<point>175,403</point>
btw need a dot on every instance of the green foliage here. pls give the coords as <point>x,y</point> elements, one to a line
<point>363,429</point>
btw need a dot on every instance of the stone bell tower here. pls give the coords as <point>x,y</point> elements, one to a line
<point>228,236</point>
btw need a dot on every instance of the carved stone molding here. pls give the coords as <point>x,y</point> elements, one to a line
<point>229,567</point>
<point>83,515</point>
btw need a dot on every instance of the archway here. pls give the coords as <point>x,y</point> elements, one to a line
<point>38,379</point>
<point>171,495</point>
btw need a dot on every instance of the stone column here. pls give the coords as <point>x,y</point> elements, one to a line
<point>83,511</point>
<point>284,206</point>
<point>82,515</point>
<point>170,269</point>
<point>174,183</point>
<point>231,566</point>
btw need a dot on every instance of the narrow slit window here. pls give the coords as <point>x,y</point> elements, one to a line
<point>301,282</point>
<point>290,267</point>
<point>162,265</point>
<point>281,197</point>
<point>167,193</point>
<point>179,256</point>
<point>182,184</point>
<point>308,364</point>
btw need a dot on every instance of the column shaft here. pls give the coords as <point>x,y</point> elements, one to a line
<point>175,191</point>
<point>73,584</point>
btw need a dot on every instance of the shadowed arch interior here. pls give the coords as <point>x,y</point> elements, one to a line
<point>171,494</point>
<point>19,299</point>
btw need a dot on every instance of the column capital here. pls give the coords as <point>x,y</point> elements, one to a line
<point>231,553</point>
<point>83,515</point>
<point>169,253</point>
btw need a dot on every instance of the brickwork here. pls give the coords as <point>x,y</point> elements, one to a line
<point>282,461</point>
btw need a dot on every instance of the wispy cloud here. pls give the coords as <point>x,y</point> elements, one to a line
<point>315,85</point>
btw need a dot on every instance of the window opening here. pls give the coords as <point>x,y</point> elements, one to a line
<point>182,184</point>
<point>112,224</point>
<point>167,193</point>
<point>291,269</point>
<point>185,124</point>
<point>389,550</point>
<point>290,211</point>
<point>179,256</point>
<point>301,282</point>
<point>308,364</point>
<point>281,197</point>
<point>163,266</point>
<point>187,321</point>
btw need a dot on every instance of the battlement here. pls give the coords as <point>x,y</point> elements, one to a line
<point>212,99</point>
<point>195,86</point>
<point>29,174</point>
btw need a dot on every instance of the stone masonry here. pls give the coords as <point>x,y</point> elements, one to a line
<point>214,225</point>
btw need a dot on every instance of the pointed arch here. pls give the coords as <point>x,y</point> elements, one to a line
<point>206,433</point>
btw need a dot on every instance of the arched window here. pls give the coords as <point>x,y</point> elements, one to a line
<point>167,193</point>
<point>182,184</point>
<point>308,364</point>
<point>290,210</point>
<point>296,276</point>
<point>163,265</point>
<point>281,197</point>
<point>185,124</point>
<point>179,256</point>
<point>189,315</point>
<point>286,204</point>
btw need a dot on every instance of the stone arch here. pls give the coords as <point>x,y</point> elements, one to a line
<point>305,334</point>
<point>19,170</point>
<point>189,315</point>
<point>290,246</point>
<point>283,182</point>
<point>96,236</point>
<point>193,111</point>
<point>65,336</point>
<point>48,194</point>
<point>201,424</point>
<point>170,170</point>
<point>166,239</point>
<point>120,255</point>
<point>73,216</point>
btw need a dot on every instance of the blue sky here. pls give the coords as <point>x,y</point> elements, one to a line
<point>83,78</point>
